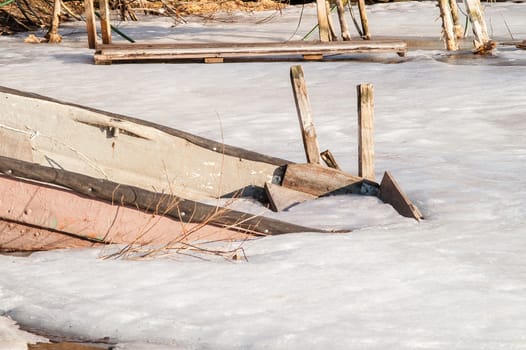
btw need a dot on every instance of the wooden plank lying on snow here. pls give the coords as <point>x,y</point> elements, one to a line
<point>107,54</point>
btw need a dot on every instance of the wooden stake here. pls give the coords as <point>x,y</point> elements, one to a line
<point>303,107</point>
<point>480,32</point>
<point>329,159</point>
<point>459,32</point>
<point>363,18</point>
<point>365,131</point>
<point>447,25</point>
<point>346,35</point>
<point>105,25</point>
<point>323,24</point>
<point>53,36</point>
<point>332,30</point>
<point>90,24</point>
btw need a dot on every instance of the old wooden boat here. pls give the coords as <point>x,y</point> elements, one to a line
<point>76,176</point>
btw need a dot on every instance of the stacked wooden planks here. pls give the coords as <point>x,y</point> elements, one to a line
<point>218,52</point>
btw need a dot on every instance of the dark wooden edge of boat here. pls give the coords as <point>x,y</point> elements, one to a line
<point>197,140</point>
<point>158,203</point>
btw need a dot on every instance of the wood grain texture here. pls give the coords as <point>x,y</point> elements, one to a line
<point>320,181</point>
<point>391,193</point>
<point>366,131</point>
<point>346,35</point>
<point>304,110</point>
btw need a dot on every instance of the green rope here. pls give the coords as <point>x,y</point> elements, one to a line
<point>117,30</point>
<point>5,3</point>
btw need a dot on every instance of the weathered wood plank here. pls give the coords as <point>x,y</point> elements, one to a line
<point>184,210</point>
<point>320,181</point>
<point>303,107</point>
<point>185,51</point>
<point>391,193</point>
<point>366,131</point>
<point>67,346</point>
<point>282,198</point>
<point>105,26</point>
<point>213,59</point>
<point>91,28</point>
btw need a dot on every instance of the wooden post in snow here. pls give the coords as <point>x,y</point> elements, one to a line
<point>90,23</point>
<point>364,20</point>
<point>481,39</point>
<point>52,35</point>
<point>323,23</point>
<point>105,26</point>
<point>303,107</point>
<point>346,35</point>
<point>459,32</point>
<point>447,25</point>
<point>365,131</point>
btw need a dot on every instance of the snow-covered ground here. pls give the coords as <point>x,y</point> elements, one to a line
<point>452,131</point>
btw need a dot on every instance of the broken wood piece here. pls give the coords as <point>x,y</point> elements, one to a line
<point>303,107</point>
<point>91,28</point>
<point>391,193</point>
<point>68,346</point>
<point>320,181</point>
<point>365,131</point>
<point>329,159</point>
<point>282,198</point>
<point>316,57</point>
<point>213,59</point>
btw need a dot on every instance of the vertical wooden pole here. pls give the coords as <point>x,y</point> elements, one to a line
<point>459,32</point>
<point>365,131</point>
<point>476,16</point>
<point>52,35</point>
<point>323,23</point>
<point>346,35</point>
<point>303,107</point>
<point>363,18</point>
<point>447,25</point>
<point>90,23</point>
<point>105,26</point>
<point>333,36</point>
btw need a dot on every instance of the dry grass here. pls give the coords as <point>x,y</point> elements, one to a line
<point>27,15</point>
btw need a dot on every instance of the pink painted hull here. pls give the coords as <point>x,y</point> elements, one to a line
<point>41,217</point>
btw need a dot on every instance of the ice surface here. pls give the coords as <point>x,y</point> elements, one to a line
<point>451,130</point>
